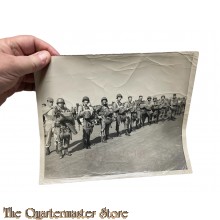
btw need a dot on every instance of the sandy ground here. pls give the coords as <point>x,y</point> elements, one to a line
<point>152,148</point>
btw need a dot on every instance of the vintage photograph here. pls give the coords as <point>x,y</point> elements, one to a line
<point>114,115</point>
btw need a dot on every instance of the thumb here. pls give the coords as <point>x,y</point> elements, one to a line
<point>23,65</point>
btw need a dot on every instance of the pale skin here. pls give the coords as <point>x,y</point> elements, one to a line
<point>20,57</point>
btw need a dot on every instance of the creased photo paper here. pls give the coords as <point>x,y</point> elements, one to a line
<point>114,115</point>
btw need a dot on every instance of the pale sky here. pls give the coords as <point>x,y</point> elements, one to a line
<point>95,76</point>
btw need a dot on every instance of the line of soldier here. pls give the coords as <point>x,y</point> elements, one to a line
<point>60,121</point>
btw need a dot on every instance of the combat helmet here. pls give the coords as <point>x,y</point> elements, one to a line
<point>119,95</point>
<point>85,98</point>
<point>104,98</point>
<point>49,99</point>
<point>60,100</point>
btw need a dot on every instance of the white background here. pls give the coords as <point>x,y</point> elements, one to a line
<point>79,27</point>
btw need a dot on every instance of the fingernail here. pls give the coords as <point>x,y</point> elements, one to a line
<point>43,55</point>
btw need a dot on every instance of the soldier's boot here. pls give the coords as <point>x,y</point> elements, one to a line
<point>127,133</point>
<point>47,151</point>
<point>118,134</point>
<point>88,143</point>
<point>67,152</point>
<point>103,139</point>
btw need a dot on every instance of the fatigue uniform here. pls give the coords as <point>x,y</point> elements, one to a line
<point>164,107</point>
<point>179,104</point>
<point>149,106</point>
<point>138,109</point>
<point>106,120</point>
<point>62,130</point>
<point>86,112</point>
<point>173,107</point>
<point>48,115</point>
<point>155,109</point>
<point>131,114</point>
<point>183,105</point>
<point>120,114</point>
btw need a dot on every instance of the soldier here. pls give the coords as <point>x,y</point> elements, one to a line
<point>179,104</point>
<point>120,114</point>
<point>183,105</point>
<point>86,113</point>
<point>131,113</point>
<point>138,109</point>
<point>164,107</point>
<point>64,124</point>
<point>105,115</point>
<point>149,106</point>
<point>173,107</point>
<point>155,109</point>
<point>48,118</point>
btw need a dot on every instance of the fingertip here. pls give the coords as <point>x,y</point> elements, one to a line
<point>44,57</point>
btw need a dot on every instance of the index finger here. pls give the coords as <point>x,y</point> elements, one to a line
<point>29,44</point>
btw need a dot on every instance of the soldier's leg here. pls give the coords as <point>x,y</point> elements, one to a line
<point>103,126</point>
<point>117,125</point>
<point>56,142</point>
<point>107,131</point>
<point>59,141</point>
<point>66,146</point>
<point>84,138</point>
<point>88,139</point>
<point>138,119</point>
<point>127,126</point>
<point>173,113</point>
<point>48,131</point>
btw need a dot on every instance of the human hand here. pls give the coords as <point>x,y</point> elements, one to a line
<point>20,57</point>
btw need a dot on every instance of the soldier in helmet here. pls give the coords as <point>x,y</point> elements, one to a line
<point>155,109</point>
<point>138,109</point>
<point>64,125</point>
<point>164,107</point>
<point>173,107</point>
<point>120,114</point>
<point>48,117</point>
<point>131,113</point>
<point>149,107</point>
<point>183,105</point>
<point>86,113</point>
<point>105,115</point>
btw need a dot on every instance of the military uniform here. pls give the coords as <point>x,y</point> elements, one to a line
<point>64,124</point>
<point>183,105</point>
<point>86,113</point>
<point>149,107</point>
<point>164,107</point>
<point>131,114</point>
<point>48,119</point>
<point>155,109</point>
<point>120,115</point>
<point>105,115</point>
<point>173,107</point>
<point>138,109</point>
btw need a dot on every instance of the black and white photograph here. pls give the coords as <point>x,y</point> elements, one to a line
<point>114,115</point>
